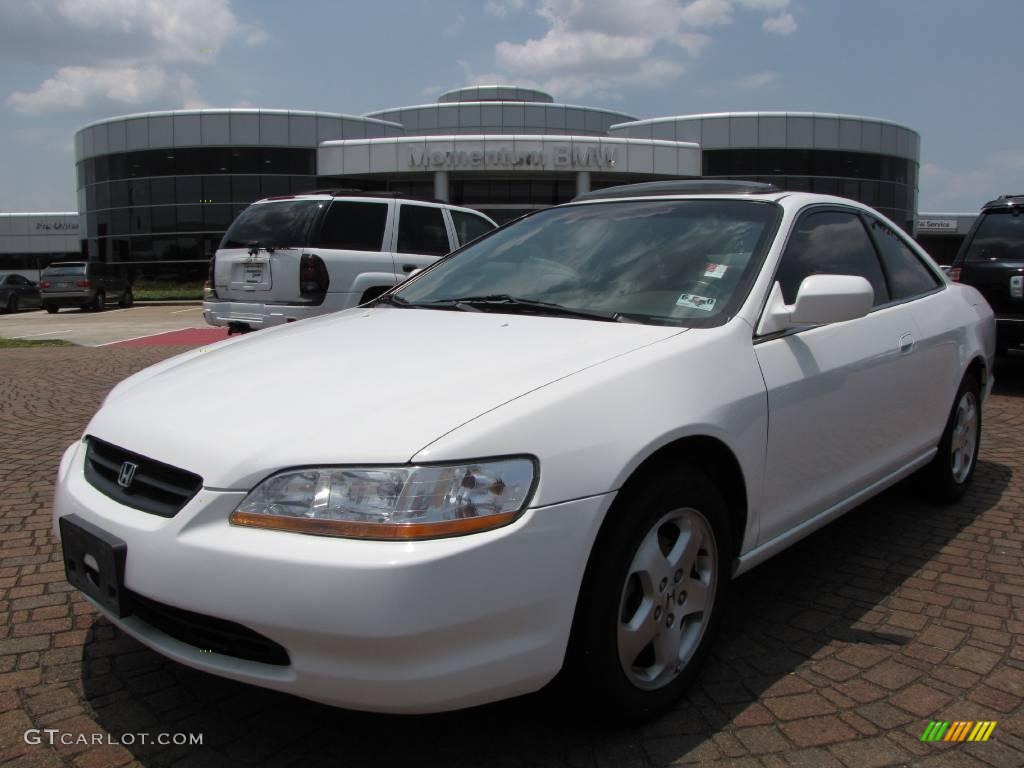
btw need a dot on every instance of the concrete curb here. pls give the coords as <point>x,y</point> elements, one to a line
<point>169,303</point>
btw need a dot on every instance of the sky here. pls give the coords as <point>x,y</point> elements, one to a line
<point>950,69</point>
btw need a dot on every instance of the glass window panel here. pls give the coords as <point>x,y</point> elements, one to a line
<point>102,167</point>
<point>245,189</point>
<point>120,221</point>
<point>90,170</point>
<point>103,195</point>
<point>164,218</point>
<point>907,275</point>
<point>830,243</point>
<point>469,227</point>
<point>300,184</point>
<point>119,194</point>
<point>245,160</point>
<point>189,247</point>
<point>216,189</point>
<point>164,248</point>
<point>188,189</point>
<point>190,218</point>
<point>354,226</point>
<point>161,162</point>
<point>188,161</point>
<point>162,191</point>
<point>90,197</point>
<point>849,188</point>
<point>421,230</point>
<point>138,192</point>
<point>116,166</point>
<point>274,186</point>
<point>217,217</point>
<point>217,160</point>
<point>140,224</point>
<point>120,249</point>
<point>869,192</point>
<point>102,223</point>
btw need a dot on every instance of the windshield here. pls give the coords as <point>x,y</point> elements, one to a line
<point>282,224</point>
<point>674,262</point>
<point>59,270</point>
<point>999,237</point>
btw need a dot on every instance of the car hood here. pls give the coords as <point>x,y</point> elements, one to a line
<point>361,386</point>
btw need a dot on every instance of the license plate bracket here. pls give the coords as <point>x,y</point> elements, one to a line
<point>94,562</point>
<point>254,273</point>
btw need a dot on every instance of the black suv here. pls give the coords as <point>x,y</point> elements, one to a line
<point>992,260</point>
<point>85,284</point>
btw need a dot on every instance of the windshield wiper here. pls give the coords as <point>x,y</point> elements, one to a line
<point>506,302</point>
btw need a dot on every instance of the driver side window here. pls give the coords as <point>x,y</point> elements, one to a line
<point>830,243</point>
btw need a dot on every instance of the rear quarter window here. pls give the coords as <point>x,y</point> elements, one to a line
<point>353,226</point>
<point>421,230</point>
<point>999,237</point>
<point>277,224</point>
<point>469,226</point>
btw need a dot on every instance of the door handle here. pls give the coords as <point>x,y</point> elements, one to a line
<point>407,268</point>
<point>906,344</point>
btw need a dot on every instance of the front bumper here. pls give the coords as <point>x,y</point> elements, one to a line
<point>382,626</point>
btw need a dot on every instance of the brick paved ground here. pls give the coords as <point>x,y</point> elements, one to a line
<point>836,653</point>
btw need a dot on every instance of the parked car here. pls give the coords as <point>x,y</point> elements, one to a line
<point>18,292</point>
<point>89,285</point>
<point>288,258</point>
<point>992,260</point>
<point>549,451</point>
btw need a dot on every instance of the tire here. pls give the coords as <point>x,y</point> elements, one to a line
<point>12,305</point>
<point>946,478</point>
<point>127,299</point>
<point>100,302</point>
<point>52,309</point>
<point>609,668</point>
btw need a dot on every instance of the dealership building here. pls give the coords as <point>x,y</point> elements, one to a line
<point>156,191</point>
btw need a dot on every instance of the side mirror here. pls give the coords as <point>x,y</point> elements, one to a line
<point>820,300</point>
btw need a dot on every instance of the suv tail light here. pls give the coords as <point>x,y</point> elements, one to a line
<point>313,279</point>
<point>45,284</point>
<point>954,274</point>
<point>210,289</point>
<point>83,284</point>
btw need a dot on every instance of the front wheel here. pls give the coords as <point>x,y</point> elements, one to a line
<point>947,476</point>
<point>648,608</point>
<point>100,302</point>
<point>51,308</point>
<point>127,299</point>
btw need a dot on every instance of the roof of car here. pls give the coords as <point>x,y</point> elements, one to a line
<point>1004,201</point>
<point>675,187</point>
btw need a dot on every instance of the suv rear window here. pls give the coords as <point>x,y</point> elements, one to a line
<point>999,237</point>
<point>279,224</point>
<point>469,227</point>
<point>354,226</point>
<point>64,270</point>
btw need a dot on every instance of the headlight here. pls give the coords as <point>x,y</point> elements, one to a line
<point>419,502</point>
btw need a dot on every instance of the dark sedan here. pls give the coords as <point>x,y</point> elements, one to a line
<point>17,292</point>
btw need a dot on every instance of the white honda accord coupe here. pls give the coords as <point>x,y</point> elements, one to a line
<point>549,452</point>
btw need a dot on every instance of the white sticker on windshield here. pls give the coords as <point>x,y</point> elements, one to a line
<point>715,270</point>
<point>693,301</point>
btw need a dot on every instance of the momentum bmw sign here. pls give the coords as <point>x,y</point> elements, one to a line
<point>553,156</point>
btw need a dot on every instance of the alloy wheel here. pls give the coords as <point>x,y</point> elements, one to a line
<point>666,601</point>
<point>965,436</point>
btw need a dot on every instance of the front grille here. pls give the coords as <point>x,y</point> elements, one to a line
<point>157,488</point>
<point>208,633</point>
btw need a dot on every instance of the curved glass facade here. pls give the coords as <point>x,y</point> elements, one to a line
<point>151,209</point>
<point>885,182</point>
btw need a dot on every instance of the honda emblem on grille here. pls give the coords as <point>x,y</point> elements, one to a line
<point>127,474</point>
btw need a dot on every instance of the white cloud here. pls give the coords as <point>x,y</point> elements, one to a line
<point>599,47</point>
<point>76,87</point>
<point>120,52</point>
<point>502,8</point>
<point>757,80</point>
<point>455,26</point>
<point>783,24</point>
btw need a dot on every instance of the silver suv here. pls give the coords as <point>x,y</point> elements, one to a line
<point>89,285</point>
<point>288,258</point>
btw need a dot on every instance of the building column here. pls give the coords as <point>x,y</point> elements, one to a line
<point>441,186</point>
<point>582,182</point>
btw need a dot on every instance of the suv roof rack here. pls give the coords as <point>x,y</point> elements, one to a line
<point>344,192</point>
<point>682,187</point>
<point>1004,201</point>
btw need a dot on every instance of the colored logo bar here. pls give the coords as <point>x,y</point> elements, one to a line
<point>958,730</point>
